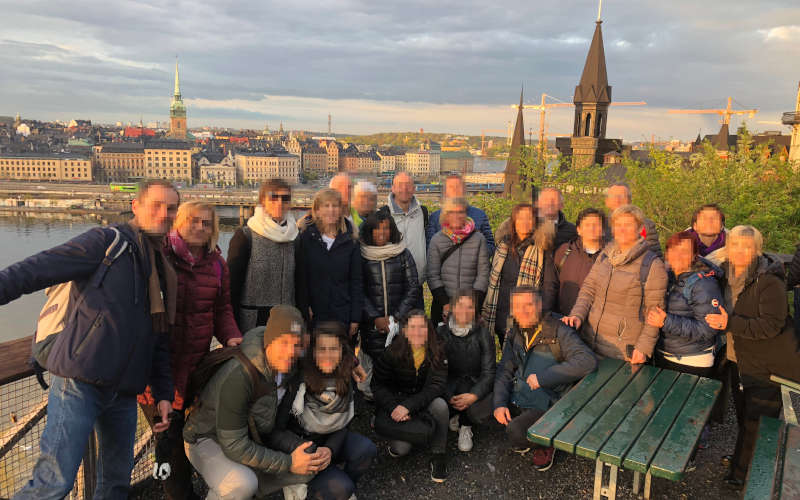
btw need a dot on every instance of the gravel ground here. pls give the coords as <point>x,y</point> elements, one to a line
<point>490,470</point>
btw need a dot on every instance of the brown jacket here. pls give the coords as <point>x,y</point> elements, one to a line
<point>570,271</point>
<point>613,303</point>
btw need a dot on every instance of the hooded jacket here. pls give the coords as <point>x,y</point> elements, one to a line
<point>329,281</point>
<point>690,296</point>
<point>111,342</point>
<point>763,334</point>
<point>613,302</point>
<point>226,405</point>
<point>476,214</point>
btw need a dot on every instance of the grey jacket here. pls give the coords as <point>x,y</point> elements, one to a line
<point>412,226</point>
<point>226,404</point>
<point>467,267</point>
<point>613,302</point>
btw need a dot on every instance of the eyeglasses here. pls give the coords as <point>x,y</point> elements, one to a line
<point>285,198</point>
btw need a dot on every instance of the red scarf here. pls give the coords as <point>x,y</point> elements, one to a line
<point>458,235</point>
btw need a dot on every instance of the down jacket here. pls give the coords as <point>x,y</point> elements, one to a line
<point>226,407</point>
<point>203,311</point>
<point>691,296</point>
<point>613,302</point>
<point>396,382</point>
<point>470,358</point>
<point>402,286</point>
<point>763,334</point>
<point>328,281</point>
<point>466,267</point>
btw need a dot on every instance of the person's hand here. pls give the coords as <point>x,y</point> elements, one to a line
<point>305,463</point>
<point>533,381</point>
<point>656,317</point>
<point>400,413</point>
<point>638,357</point>
<point>572,321</point>
<point>718,321</point>
<point>463,401</point>
<point>359,374</point>
<point>234,341</point>
<point>353,329</point>
<point>502,415</point>
<point>164,407</point>
<point>445,311</point>
<point>326,455</point>
<point>303,222</point>
<point>382,324</point>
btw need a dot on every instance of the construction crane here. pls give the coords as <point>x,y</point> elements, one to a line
<point>543,106</point>
<point>725,113</point>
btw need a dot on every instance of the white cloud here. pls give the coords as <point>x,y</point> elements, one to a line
<point>789,33</point>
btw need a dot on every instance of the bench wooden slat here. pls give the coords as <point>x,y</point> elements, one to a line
<point>676,450</point>
<point>790,482</point>
<point>617,446</point>
<point>15,358</point>
<point>568,437</point>
<point>764,466</point>
<point>648,442</point>
<point>543,431</point>
<point>591,443</point>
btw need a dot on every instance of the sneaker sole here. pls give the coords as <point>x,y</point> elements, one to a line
<point>545,468</point>
<point>437,479</point>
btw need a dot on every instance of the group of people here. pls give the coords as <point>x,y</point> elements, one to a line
<point>313,310</point>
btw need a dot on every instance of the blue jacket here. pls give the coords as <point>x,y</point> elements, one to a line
<point>476,214</point>
<point>575,361</point>
<point>109,340</point>
<point>690,297</point>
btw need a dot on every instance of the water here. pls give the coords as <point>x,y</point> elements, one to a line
<point>21,237</point>
<point>488,164</point>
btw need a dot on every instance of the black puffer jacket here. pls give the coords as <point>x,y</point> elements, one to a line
<point>396,382</point>
<point>402,286</point>
<point>763,334</point>
<point>690,297</point>
<point>794,269</point>
<point>470,358</point>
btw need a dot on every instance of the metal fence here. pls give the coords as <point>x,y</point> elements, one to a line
<point>23,413</point>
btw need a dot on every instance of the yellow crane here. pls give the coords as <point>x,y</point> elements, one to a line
<point>725,113</point>
<point>543,106</point>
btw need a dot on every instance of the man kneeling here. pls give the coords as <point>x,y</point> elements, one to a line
<point>230,434</point>
<point>541,358</point>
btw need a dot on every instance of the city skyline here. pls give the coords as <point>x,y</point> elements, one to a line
<point>463,65</point>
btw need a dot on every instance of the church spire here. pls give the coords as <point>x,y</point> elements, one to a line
<point>177,93</point>
<point>593,86</point>
<point>511,184</point>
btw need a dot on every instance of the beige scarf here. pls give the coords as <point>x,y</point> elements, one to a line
<point>384,252</point>
<point>162,309</point>
<point>261,223</point>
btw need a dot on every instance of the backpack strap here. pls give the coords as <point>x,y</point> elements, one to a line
<point>561,262</point>
<point>425,216</point>
<point>260,387</point>
<point>453,248</point>
<point>114,250</point>
<point>644,272</point>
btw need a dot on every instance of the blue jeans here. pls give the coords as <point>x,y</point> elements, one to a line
<point>335,483</point>
<point>74,409</point>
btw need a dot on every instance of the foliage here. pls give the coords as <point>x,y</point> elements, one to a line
<point>749,185</point>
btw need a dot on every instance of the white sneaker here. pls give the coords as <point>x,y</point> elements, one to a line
<point>454,422</point>
<point>465,438</point>
<point>295,492</point>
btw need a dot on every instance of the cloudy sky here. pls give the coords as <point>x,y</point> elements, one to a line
<point>376,65</point>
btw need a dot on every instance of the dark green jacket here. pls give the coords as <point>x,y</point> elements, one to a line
<point>226,407</point>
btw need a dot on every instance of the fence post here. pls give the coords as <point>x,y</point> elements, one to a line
<point>90,468</point>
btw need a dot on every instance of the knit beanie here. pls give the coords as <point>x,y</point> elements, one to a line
<point>283,319</point>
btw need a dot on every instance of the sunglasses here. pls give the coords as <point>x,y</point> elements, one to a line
<point>286,198</point>
<point>207,224</point>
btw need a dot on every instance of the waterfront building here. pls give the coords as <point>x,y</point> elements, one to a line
<point>252,168</point>
<point>458,162</point>
<point>46,167</point>
<point>392,160</point>
<point>423,163</point>
<point>314,159</point>
<point>171,160</point>
<point>220,174</point>
<point>120,162</point>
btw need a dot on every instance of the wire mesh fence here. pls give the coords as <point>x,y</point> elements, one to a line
<point>23,413</point>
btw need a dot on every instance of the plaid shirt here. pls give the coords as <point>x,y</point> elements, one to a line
<point>530,274</point>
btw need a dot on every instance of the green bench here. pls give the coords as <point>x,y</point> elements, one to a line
<point>787,388</point>
<point>635,417</point>
<point>775,468</point>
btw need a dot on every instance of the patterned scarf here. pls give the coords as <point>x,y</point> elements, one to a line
<point>458,235</point>
<point>530,274</point>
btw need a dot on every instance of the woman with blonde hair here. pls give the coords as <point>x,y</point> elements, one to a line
<point>761,339</point>
<point>328,268</point>
<point>627,280</point>
<point>203,311</point>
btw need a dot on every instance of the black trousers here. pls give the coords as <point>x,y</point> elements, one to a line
<point>752,400</point>
<point>427,428</point>
<point>700,371</point>
<point>479,412</point>
<point>521,420</point>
